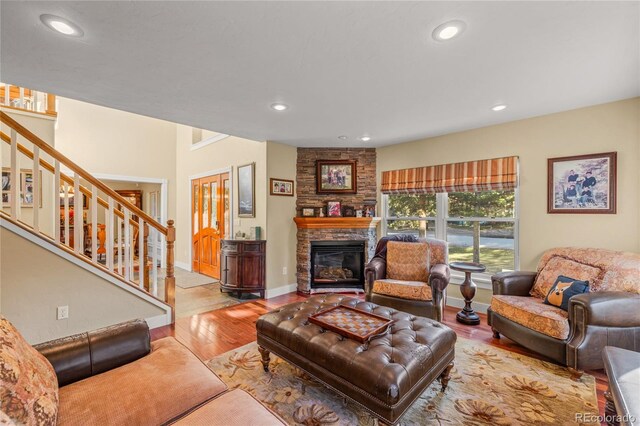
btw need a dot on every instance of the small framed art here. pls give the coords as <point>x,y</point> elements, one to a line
<point>308,212</point>
<point>281,187</point>
<point>334,209</point>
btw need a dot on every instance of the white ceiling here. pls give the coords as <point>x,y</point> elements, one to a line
<point>344,68</point>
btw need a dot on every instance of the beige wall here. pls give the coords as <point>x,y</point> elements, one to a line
<point>43,127</point>
<point>281,244</point>
<point>601,128</point>
<point>228,152</point>
<point>32,295</point>
<point>109,141</point>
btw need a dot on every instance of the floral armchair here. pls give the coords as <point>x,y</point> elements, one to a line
<point>409,277</point>
<point>608,315</point>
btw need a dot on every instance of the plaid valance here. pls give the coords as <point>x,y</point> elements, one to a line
<point>470,176</point>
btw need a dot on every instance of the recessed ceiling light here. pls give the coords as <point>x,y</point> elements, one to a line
<point>279,107</point>
<point>448,30</point>
<point>343,137</point>
<point>365,138</point>
<point>61,25</point>
<point>498,107</point>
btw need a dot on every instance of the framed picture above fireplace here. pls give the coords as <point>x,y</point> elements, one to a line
<point>336,177</point>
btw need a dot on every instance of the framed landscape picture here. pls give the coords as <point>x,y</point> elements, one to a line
<point>336,177</point>
<point>582,184</point>
<point>281,187</point>
<point>246,190</point>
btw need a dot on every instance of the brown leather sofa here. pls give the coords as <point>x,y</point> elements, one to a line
<point>438,273</point>
<point>607,316</point>
<point>623,397</point>
<point>117,376</point>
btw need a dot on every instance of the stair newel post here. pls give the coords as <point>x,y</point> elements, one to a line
<point>143,255</point>
<point>170,280</point>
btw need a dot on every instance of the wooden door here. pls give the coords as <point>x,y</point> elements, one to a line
<point>209,223</point>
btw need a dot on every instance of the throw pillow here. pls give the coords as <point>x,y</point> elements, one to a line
<point>563,290</point>
<point>408,261</point>
<point>562,266</point>
<point>28,383</point>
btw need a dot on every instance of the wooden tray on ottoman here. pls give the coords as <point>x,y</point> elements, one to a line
<point>352,323</point>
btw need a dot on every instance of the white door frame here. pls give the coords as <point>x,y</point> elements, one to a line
<point>164,203</point>
<point>190,221</point>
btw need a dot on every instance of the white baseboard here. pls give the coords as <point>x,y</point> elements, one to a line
<point>279,291</point>
<point>158,321</point>
<point>459,303</point>
<point>183,265</point>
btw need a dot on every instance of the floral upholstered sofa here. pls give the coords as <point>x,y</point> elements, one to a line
<point>115,376</point>
<point>609,315</point>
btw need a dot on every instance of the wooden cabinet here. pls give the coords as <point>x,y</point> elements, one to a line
<point>243,266</point>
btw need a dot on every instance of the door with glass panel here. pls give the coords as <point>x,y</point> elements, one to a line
<point>210,216</point>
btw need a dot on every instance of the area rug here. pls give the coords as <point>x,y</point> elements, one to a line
<point>186,279</point>
<point>489,386</point>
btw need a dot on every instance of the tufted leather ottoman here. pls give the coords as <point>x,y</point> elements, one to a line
<point>385,377</point>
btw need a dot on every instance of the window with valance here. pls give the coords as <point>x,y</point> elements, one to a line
<point>472,205</point>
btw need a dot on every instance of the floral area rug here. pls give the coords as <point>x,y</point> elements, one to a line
<point>489,386</point>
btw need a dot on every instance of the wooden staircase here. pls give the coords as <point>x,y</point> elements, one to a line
<point>51,197</point>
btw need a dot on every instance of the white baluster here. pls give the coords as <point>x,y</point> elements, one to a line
<point>67,237</point>
<point>14,178</point>
<point>36,188</point>
<point>22,97</point>
<point>78,212</point>
<point>56,197</point>
<point>142,260</point>
<point>94,223</point>
<point>154,238</point>
<point>120,242</point>
<point>110,235</point>
<point>127,244</point>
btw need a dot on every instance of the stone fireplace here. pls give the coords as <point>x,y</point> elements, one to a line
<point>337,265</point>
<point>325,231</point>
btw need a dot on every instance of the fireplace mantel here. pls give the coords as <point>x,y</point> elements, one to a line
<point>336,222</point>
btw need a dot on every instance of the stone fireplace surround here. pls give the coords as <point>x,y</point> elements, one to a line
<point>332,229</point>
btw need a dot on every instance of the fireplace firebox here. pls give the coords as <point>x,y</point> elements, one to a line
<point>337,265</point>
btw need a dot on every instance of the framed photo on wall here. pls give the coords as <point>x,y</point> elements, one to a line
<point>26,188</point>
<point>246,190</point>
<point>582,184</point>
<point>281,187</point>
<point>336,177</point>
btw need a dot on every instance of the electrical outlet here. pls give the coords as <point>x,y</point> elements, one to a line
<point>284,270</point>
<point>63,312</point>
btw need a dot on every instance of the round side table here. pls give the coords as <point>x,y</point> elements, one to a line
<point>468,289</point>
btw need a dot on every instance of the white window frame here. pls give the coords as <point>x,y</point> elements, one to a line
<point>441,219</point>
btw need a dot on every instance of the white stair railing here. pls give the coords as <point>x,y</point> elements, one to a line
<point>81,214</point>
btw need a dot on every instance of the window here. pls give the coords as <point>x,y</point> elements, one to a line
<point>479,226</point>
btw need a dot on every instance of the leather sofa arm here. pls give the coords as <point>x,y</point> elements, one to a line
<point>376,269</point>
<point>439,277</point>
<point>605,308</point>
<point>517,283</point>
<point>87,354</point>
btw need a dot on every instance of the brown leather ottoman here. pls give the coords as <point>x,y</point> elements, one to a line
<point>385,377</point>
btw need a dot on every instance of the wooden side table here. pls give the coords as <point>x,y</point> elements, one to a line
<point>468,289</point>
